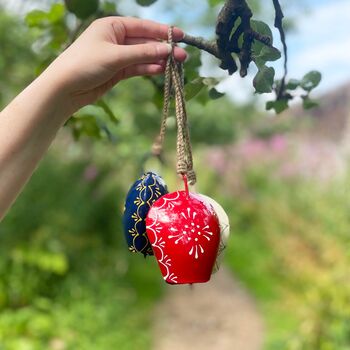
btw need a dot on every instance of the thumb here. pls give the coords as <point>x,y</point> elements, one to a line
<point>142,53</point>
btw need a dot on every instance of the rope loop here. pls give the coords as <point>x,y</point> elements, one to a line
<point>174,82</point>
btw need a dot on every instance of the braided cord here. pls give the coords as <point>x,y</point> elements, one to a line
<point>174,80</point>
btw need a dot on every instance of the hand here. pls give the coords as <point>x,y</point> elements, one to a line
<point>112,49</point>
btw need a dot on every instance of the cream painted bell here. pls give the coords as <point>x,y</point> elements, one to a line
<point>224,228</point>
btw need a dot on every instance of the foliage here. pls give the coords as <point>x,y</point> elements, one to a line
<point>309,82</point>
<point>82,9</point>
<point>17,60</point>
<point>290,243</point>
<point>63,22</point>
<point>66,278</point>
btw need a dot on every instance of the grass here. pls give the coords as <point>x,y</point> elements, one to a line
<point>289,245</point>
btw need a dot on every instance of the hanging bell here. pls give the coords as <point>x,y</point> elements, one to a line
<point>184,233</point>
<point>224,228</point>
<point>142,194</point>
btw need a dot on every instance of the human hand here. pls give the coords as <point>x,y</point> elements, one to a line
<point>109,50</point>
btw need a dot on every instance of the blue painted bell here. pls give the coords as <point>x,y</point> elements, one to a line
<point>142,194</point>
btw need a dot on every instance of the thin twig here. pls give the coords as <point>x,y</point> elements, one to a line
<point>266,40</point>
<point>279,25</point>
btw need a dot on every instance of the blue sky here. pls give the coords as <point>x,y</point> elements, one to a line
<point>321,41</point>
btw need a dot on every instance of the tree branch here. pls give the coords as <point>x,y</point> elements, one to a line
<point>228,42</point>
<point>266,40</point>
<point>231,11</point>
<point>279,25</point>
<point>202,44</point>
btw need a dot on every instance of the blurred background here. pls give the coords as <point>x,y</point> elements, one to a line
<point>67,280</point>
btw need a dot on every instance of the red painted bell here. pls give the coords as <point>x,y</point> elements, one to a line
<point>184,233</point>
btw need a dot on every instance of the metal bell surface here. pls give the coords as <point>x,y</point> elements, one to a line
<point>142,194</point>
<point>185,234</point>
<point>224,228</point>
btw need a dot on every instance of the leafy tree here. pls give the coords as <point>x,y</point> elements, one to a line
<point>17,60</point>
<point>240,40</point>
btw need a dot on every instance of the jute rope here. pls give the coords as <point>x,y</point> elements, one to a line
<point>174,81</point>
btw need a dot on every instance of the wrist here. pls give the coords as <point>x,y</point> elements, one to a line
<point>56,93</point>
<point>43,102</point>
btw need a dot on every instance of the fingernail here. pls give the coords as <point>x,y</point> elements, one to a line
<point>180,34</point>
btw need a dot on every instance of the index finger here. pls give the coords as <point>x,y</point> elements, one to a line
<point>135,27</point>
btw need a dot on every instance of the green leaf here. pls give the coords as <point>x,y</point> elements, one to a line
<point>109,7</point>
<point>235,26</point>
<point>266,54</point>
<point>309,103</point>
<point>193,63</point>
<point>36,18</point>
<point>56,13</point>
<point>293,84</point>
<point>146,2</point>
<point>311,80</point>
<point>214,3</point>
<point>263,80</point>
<point>82,8</point>
<point>262,28</point>
<point>42,19</point>
<point>262,53</point>
<point>278,105</point>
<point>270,53</point>
<point>193,88</point>
<point>101,103</point>
<point>87,125</point>
<point>215,94</point>
<point>211,82</point>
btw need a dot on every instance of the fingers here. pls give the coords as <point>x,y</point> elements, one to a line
<point>136,70</point>
<point>135,27</point>
<point>145,53</point>
<point>135,41</point>
<point>143,69</point>
<point>179,53</point>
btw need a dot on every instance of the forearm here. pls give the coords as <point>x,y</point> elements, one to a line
<point>27,127</point>
<point>109,50</point>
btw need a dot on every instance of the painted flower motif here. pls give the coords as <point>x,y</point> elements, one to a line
<point>194,232</point>
<point>184,233</point>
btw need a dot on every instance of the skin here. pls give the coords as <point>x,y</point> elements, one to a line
<point>110,50</point>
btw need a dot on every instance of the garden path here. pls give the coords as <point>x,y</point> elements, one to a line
<point>217,315</point>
